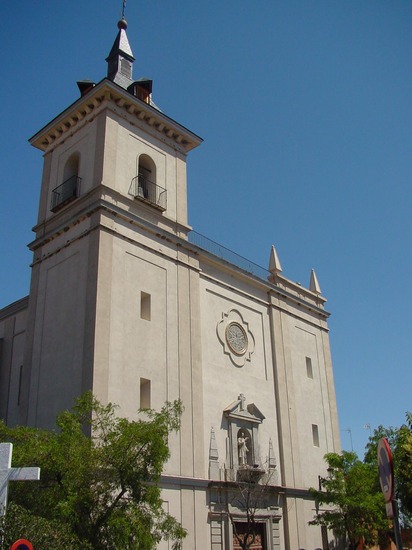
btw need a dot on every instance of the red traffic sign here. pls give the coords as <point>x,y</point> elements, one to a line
<point>385,466</point>
<point>22,544</point>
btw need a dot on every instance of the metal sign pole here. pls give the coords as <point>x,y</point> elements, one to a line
<point>398,538</point>
<point>385,467</point>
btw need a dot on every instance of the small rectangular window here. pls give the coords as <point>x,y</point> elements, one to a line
<point>144,393</point>
<point>309,369</point>
<point>145,309</point>
<point>315,435</point>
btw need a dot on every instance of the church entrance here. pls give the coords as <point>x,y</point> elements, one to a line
<point>260,540</point>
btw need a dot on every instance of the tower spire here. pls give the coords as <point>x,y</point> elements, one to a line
<point>120,59</point>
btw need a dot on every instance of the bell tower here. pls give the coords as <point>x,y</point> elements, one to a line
<point>113,193</point>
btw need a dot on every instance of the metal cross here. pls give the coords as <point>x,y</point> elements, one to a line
<point>124,5</point>
<point>7,473</point>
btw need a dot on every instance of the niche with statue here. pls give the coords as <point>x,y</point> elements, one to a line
<point>243,438</point>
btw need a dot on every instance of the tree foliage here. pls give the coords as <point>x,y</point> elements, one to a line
<point>44,533</point>
<point>400,442</point>
<point>350,502</point>
<point>350,499</point>
<point>99,480</point>
<point>403,470</point>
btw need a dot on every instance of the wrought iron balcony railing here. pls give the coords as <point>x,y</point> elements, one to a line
<point>65,193</point>
<point>145,190</point>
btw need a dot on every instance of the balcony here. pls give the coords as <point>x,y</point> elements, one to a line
<point>68,191</point>
<point>145,190</point>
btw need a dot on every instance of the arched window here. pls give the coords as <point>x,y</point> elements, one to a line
<point>69,188</point>
<point>71,168</point>
<point>147,178</point>
<point>144,185</point>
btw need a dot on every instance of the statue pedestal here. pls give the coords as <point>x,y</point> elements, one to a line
<point>250,474</point>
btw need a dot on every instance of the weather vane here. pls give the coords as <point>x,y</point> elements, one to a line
<point>124,6</point>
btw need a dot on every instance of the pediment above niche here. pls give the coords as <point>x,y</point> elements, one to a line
<point>236,338</point>
<point>240,411</point>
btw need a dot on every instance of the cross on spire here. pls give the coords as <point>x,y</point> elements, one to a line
<point>7,473</point>
<point>124,6</point>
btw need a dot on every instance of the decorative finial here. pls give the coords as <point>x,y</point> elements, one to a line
<point>314,283</point>
<point>122,24</point>
<point>274,264</point>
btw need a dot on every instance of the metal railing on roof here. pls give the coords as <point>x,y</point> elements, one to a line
<point>228,255</point>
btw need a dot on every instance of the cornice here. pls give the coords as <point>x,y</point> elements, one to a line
<point>14,308</point>
<point>87,106</point>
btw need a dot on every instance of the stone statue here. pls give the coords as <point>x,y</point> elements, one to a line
<point>242,448</point>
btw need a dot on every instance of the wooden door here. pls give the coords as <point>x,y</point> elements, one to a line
<point>260,538</point>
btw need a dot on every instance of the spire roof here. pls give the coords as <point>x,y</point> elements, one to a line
<point>121,44</point>
<point>120,59</point>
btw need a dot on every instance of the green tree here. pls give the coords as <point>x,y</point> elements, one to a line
<point>371,449</point>
<point>99,480</point>
<point>45,534</point>
<point>400,442</point>
<point>349,502</point>
<point>403,471</point>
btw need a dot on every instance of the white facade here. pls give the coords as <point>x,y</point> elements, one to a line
<point>123,303</point>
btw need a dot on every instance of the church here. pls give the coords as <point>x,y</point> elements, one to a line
<point>128,301</point>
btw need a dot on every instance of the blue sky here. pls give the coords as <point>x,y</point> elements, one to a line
<point>305,109</point>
